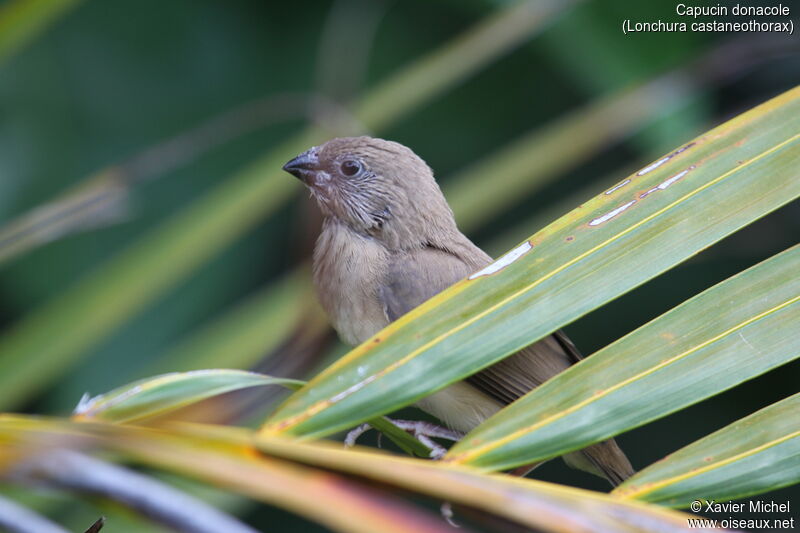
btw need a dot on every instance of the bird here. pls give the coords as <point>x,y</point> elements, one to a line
<point>389,242</point>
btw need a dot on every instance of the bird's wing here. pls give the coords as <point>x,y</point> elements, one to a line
<point>515,376</point>
<point>416,276</point>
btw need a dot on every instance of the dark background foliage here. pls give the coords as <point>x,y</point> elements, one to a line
<point>113,78</point>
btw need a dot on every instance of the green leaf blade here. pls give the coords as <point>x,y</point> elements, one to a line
<point>655,219</point>
<point>158,395</point>
<point>672,362</point>
<point>753,455</point>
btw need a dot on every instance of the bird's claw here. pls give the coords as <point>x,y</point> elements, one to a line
<point>353,434</point>
<point>426,431</point>
<point>422,431</point>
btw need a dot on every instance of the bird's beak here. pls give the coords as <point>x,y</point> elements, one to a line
<point>304,167</point>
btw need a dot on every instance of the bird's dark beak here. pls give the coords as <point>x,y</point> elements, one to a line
<point>304,167</point>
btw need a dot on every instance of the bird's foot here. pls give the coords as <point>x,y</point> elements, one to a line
<point>352,435</point>
<point>424,432</point>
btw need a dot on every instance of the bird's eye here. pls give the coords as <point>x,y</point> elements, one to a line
<point>351,167</point>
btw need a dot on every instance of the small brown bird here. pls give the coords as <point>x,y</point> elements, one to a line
<point>388,243</point>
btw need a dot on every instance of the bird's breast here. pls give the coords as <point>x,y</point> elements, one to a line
<point>460,406</point>
<point>348,271</point>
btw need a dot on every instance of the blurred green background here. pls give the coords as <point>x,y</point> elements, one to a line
<point>111,84</point>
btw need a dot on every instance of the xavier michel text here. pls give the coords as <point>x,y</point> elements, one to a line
<point>779,510</point>
<point>752,506</point>
<point>738,18</point>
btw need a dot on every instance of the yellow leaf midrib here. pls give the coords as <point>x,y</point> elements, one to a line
<point>480,450</point>
<point>633,494</point>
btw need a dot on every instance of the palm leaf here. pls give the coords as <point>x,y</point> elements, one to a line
<point>156,396</point>
<point>756,454</point>
<point>228,457</point>
<point>651,221</point>
<point>228,462</point>
<point>673,361</point>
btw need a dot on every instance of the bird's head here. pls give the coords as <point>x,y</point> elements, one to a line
<point>375,187</point>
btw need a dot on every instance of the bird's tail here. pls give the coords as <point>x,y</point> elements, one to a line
<point>604,459</point>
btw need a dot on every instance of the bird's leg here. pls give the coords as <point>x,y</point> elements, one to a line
<point>422,431</point>
<point>353,434</point>
<point>425,431</point>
